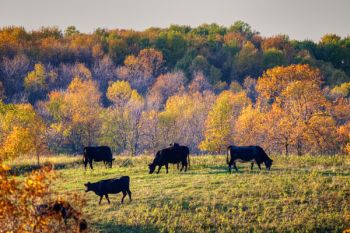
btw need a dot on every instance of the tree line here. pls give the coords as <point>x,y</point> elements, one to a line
<point>205,87</point>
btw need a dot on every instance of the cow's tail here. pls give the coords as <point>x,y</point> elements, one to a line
<point>84,156</point>
<point>228,154</point>
<point>188,158</point>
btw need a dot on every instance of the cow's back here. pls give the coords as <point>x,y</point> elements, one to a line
<point>175,154</point>
<point>114,185</point>
<point>248,153</point>
<point>244,153</point>
<point>98,153</point>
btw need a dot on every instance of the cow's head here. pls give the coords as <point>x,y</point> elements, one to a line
<point>88,187</point>
<point>151,167</point>
<point>268,164</point>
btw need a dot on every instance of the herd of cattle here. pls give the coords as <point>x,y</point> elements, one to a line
<point>175,154</point>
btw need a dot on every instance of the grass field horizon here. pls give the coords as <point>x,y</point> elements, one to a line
<point>299,194</point>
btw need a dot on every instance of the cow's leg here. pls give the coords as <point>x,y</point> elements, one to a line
<point>186,164</point>
<point>85,163</point>
<point>124,195</point>
<point>90,162</point>
<point>234,165</point>
<point>129,193</point>
<point>230,168</point>
<point>167,167</point>
<point>100,200</point>
<point>159,167</point>
<point>251,168</point>
<point>178,166</point>
<point>259,166</point>
<point>182,166</point>
<point>106,195</point>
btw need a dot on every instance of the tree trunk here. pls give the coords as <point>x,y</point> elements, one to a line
<point>286,146</point>
<point>38,158</point>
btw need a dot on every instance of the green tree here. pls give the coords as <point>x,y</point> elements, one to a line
<point>38,80</point>
<point>273,57</point>
<point>71,30</point>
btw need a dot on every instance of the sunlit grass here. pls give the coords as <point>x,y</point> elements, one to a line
<point>299,194</point>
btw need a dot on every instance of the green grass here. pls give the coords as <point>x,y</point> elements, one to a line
<point>299,194</point>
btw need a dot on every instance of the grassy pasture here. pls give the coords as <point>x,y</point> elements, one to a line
<point>299,194</point>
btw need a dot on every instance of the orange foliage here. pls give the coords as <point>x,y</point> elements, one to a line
<point>19,201</point>
<point>271,84</point>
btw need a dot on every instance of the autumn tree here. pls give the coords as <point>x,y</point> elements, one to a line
<point>119,93</point>
<point>300,111</point>
<point>250,128</point>
<point>22,131</point>
<point>183,119</point>
<point>141,71</point>
<point>271,84</point>
<point>150,136</point>
<point>77,112</point>
<point>2,91</point>
<point>199,83</point>
<point>21,199</point>
<point>13,72</point>
<point>342,90</point>
<point>219,125</point>
<point>39,78</point>
<point>166,85</point>
<point>121,121</point>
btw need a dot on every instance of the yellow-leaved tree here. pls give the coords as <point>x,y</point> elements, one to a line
<point>121,122</point>
<point>76,113</point>
<point>22,131</point>
<point>219,125</point>
<point>250,127</point>
<point>119,93</point>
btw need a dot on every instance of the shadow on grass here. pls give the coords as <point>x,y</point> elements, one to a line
<point>111,227</point>
<point>246,170</point>
<point>330,173</point>
<point>22,169</point>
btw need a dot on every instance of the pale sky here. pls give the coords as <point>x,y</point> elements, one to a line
<point>300,19</point>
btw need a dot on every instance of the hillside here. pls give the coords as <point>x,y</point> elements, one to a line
<point>299,194</point>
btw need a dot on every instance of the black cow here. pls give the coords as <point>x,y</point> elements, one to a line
<point>174,154</point>
<point>247,154</point>
<point>98,154</point>
<point>175,145</point>
<point>110,186</point>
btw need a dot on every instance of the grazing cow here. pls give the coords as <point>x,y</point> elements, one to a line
<point>174,154</point>
<point>110,186</point>
<point>97,154</point>
<point>247,154</point>
<point>64,210</point>
<point>175,145</point>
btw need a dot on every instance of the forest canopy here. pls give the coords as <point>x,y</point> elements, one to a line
<point>205,87</point>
